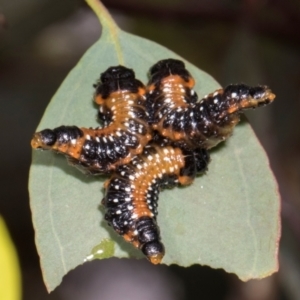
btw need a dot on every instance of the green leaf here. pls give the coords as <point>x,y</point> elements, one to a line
<point>229,217</point>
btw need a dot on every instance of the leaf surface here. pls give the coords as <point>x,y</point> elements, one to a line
<point>229,217</point>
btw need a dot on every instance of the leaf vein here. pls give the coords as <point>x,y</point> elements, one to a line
<point>54,231</point>
<point>247,198</point>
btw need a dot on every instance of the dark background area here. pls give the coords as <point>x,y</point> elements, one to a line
<point>251,41</point>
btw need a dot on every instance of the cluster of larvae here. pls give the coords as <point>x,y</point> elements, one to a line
<point>153,137</point>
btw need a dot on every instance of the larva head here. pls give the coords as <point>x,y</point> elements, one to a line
<point>117,73</point>
<point>63,135</point>
<point>115,79</point>
<point>168,67</point>
<point>240,97</point>
<point>43,139</point>
<point>149,239</point>
<point>154,252</point>
<point>225,105</point>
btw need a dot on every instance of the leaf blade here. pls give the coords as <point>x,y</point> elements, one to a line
<point>70,203</point>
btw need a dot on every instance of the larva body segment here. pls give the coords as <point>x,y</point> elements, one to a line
<point>132,193</point>
<point>121,98</point>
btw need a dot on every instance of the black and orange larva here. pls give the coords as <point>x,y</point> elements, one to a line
<point>132,192</point>
<point>176,114</point>
<point>121,98</point>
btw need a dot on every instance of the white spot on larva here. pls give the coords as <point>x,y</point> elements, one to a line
<point>123,173</point>
<point>127,189</point>
<point>97,139</point>
<point>88,137</point>
<point>118,133</point>
<point>192,92</point>
<point>116,187</point>
<point>135,232</point>
<point>201,107</point>
<point>139,166</point>
<point>150,157</point>
<point>166,151</point>
<point>171,169</point>
<point>87,146</point>
<point>233,95</point>
<point>115,200</point>
<point>216,100</point>
<point>104,139</point>
<point>215,94</point>
<point>73,142</point>
<point>118,212</point>
<point>131,177</point>
<point>130,207</point>
<point>127,199</point>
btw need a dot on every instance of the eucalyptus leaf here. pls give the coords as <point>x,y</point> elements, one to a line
<point>228,218</point>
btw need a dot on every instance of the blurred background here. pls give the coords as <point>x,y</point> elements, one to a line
<point>253,41</point>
